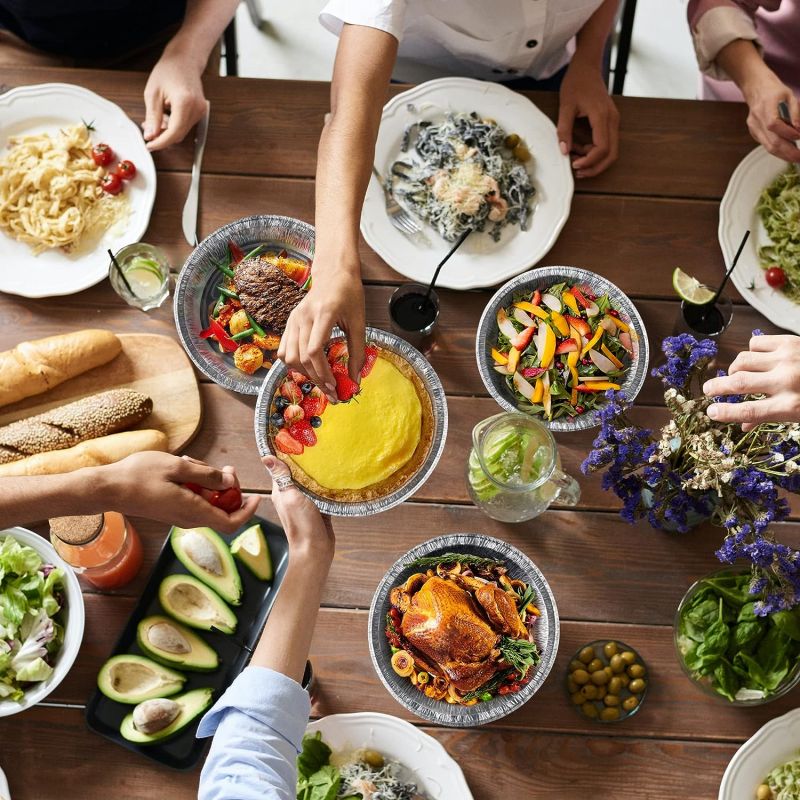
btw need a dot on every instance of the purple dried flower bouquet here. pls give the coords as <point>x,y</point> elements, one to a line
<point>696,468</point>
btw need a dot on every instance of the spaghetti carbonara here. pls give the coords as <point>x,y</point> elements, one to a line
<point>50,194</point>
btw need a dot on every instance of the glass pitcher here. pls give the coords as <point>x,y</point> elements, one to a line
<point>514,471</point>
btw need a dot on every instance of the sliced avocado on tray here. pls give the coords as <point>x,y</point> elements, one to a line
<point>206,555</point>
<point>155,720</point>
<point>132,679</point>
<point>174,645</point>
<point>252,550</point>
<point>193,603</point>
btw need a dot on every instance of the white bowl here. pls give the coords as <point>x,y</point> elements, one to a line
<point>4,793</point>
<point>426,762</point>
<point>74,619</point>
<point>770,746</point>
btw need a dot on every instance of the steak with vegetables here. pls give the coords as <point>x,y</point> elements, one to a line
<point>267,293</point>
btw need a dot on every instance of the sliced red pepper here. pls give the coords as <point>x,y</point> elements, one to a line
<point>216,330</point>
<point>237,254</point>
<point>536,300</point>
<point>585,389</point>
<point>303,276</point>
<point>578,294</point>
<point>532,372</point>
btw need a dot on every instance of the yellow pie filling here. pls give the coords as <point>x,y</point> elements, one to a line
<point>371,437</point>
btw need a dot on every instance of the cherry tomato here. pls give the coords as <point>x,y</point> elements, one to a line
<point>776,277</point>
<point>111,183</point>
<point>229,500</point>
<point>505,689</point>
<point>102,154</point>
<point>126,170</point>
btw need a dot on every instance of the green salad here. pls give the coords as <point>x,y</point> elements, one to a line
<point>31,604</point>
<point>779,209</point>
<point>741,655</point>
<point>782,783</point>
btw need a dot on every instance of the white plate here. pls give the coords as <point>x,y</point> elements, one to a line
<point>4,793</point>
<point>737,214</point>
<point>480,261</point>
<point>73,625</point>
<point>770,746</point>
<point>45,108</point>
<point>429,765</point>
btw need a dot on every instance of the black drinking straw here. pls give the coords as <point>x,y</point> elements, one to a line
<point>713,302</point>
<point>455,247</point>
<point>121,273</point>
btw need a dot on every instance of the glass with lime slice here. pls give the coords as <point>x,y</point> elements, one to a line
<point>514,470</point>
<point>700,312</point>
<point>144,278</point>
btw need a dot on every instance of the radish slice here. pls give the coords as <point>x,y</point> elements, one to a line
<point>539,340</point>
<point>593,310</point>
<point>551,301</point>
<point>504,323</point>
<point>590,378</point>
<point>522,386</point>
<point>526,319</point>
<point>626,341</point>
<point>601,362</point>
<point>607,324</point>
<point>501,369</point>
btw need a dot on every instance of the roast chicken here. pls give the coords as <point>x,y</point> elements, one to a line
<point>449,633</point>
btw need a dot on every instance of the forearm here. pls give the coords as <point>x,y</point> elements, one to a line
<point>743,63</point>
<point>590,42</point>
<point>202,26</point>
<point>286,639</point>
<point>347,144</point>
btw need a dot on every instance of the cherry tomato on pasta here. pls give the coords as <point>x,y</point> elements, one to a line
<point>111,183</point>
<point>776,277</point>
<point>102,154</point>
<point>126,170</point>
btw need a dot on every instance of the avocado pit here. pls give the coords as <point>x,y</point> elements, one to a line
<point>202,552</point>
<point>154,715</point>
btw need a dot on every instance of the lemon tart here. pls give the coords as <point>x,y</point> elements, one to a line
<point>362,448</point>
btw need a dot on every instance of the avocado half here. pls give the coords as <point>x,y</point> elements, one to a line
<point>204,553</point>
<point>251,548</point>
<point>191,602</point>
<point>133,679</point>
<point>192,704</point>
<point>174,645</point>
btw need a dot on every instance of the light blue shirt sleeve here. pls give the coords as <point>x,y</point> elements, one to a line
<point>258,727</point>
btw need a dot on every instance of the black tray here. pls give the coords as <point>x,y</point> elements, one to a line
<point>183,751</point>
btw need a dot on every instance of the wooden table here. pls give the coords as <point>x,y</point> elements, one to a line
<point>655,209</point>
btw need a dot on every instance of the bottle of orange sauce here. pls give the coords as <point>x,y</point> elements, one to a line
<point>104,549</point>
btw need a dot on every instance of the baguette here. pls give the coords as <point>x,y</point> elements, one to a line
<point>36,366</point>
<point>97,415</point>
<point>91,453</point>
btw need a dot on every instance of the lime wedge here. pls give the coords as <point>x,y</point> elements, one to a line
<point>690,289</point>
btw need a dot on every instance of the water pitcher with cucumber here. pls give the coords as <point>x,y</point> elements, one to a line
<point>514,471</point>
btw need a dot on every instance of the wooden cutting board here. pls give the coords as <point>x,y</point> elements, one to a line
<point>153,365</point>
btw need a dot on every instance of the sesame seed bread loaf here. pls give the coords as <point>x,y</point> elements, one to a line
<point>36,366</point>
<point>91,453</point>
<point>88,418</point>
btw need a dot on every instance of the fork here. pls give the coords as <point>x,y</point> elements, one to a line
<point>398,216</point>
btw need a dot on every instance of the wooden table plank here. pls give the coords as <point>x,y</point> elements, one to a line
<point>566,767</point>
<point>281,121</point>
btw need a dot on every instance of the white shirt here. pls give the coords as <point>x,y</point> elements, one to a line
<point>483,39</point>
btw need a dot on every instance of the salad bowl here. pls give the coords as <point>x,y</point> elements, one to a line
<point>74,619</point>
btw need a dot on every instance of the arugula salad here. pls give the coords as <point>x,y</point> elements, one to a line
<point>365,775</point>
<point>31,630</point>
<point>725,644</point>
<point>779,209</point>
<point>560,348</point>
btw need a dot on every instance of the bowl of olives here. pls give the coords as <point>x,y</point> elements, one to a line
<point>607,681</point>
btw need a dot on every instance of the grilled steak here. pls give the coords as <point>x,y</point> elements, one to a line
<point>266,293</point>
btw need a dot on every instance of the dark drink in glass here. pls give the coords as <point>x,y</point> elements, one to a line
<point>413,315</point>
<point>708,319</point>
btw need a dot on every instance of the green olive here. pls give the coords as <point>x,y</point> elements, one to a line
<point>610,649</point>
<point>589,710</point>
<point>599,678</point>
<point>609,714</point>
<point>616,663</point>
<point>589,691</point>
<point>511,141</point>
<point>594,665</point>
<point>572,687</point>
<point>612,700</point>
<point>575,664</point>
<point>586,655</point>
<point>615,685</point>
<point>624,678</point>
<point>580,676</point>
<point>521,153</point>
<point>636,671</point>
<point>637,686</point>
<point>764,792</point>
<point>373,759</point>
<point>629,703</point>
<point>629,656</point>
<point>608,671</point>
<point>601,692</point>
<point>577,698</point>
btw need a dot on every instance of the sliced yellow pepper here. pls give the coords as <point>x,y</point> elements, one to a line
<point>561,325</point>
<point>533,610</point>
<point>531,309</point>
<point>597,386</point>
<point>549,349</point>
<point>619,323</point>
<point>572,358</point>
<point>598,334</point>
<point>498,357</point>
<point>538,391</point>
<point>610,356</point>
<point>574,372</point>
<point>569,300</point>
<point>513,360</point>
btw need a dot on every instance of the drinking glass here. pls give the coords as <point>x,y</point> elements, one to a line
<point>514,470</point>
<point>146,275</point>
<point>413,316</point>
<point>705,320</point>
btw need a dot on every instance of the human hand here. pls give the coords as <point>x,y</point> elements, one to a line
<point>306,529</point>
<point>584,94</point>
<point>771,367</point>
<point>152,485</point>
<point>175,85</point>
<point>335,298</point>
<point>763,92</point>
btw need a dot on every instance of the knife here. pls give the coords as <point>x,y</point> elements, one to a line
<point>190,207</point>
